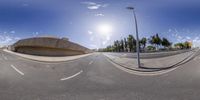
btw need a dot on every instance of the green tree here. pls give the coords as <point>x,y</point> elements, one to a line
<point>165,42</point>
<point>143,42</point>
<point>117,46</point>
<point>122,45</point>
<point>125,45</point>
<point>131,43</point>
<point>155,40</point>
<point>151,47</point>
<point>179,45</point>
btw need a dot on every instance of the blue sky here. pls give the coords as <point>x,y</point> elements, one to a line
<point>178,20</point>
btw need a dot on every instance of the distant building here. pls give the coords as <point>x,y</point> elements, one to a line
<point>49,46</point>
<point>190,43</point>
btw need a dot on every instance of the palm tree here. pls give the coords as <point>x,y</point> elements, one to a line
<point>115,46</point>
<point>165,42</point>
<point>125,45</point>
<point>155,40</point>
<point>122,45</point>
<point>131,43</point>
<point>143,42</point>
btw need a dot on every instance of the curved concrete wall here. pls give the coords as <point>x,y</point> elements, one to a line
<point>48,46</point>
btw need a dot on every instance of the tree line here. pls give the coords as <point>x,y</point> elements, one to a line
<point>155,43</point>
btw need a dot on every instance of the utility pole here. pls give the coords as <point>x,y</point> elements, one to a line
<point>137,37</point>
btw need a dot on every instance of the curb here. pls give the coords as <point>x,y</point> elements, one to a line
<point>145,69</point>
<point>46,61</point>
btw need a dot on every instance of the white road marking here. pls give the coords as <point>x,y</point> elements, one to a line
<point>71,76</point>
<point>17,70</point>
<point>90,62</point>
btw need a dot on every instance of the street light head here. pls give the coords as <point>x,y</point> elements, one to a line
<point>130,8</point>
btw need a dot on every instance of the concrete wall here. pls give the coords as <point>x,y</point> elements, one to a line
<point>42,51</point>
<point>47,46</point>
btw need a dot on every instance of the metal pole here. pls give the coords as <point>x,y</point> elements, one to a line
<point>137,37</point>
<point>137,41</point>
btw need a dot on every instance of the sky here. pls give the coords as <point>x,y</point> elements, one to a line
<point>97,23</point>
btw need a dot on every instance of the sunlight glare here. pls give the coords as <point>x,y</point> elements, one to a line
<point>105,29</point>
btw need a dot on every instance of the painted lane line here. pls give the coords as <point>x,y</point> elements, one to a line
<point>90,62</point>
<point>17,70</point>
<point>71,76</point>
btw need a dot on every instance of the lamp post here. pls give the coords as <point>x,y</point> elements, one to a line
<point>137,37</point>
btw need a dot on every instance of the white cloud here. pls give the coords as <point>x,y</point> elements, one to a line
<point>7,40</point>
<point>35,33</point>
<point>104,42</point>
<point>196,42</point>
<point>108,38</point>
<point>94,6</point>
<point>179,37</point>
<point>99,15</point>
<point>90,32</point>
<point>188,38</point>
<point>104,5</point>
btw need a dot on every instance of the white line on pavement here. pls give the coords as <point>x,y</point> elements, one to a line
<point>17,70</point>
<point>90,62</point>
<point>71,76</point>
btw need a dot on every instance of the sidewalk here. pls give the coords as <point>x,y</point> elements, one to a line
<point>47,59</point>
<point>152,64</point>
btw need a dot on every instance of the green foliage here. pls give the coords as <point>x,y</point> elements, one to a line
<point>143,42</point>
<point>125,45</point>
<point>165,42</point>
<point>185,45</point>
<point>155,40</point>
<point>151,48</point>
<point>131,43</point>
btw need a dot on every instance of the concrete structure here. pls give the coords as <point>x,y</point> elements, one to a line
<point>48,46</point>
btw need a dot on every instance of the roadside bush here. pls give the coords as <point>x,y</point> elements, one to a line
<point>151,48</point>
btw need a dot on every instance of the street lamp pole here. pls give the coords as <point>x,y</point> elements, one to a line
<point>137,37</point>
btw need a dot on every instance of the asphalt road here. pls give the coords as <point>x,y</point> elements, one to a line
<point>93,78</point>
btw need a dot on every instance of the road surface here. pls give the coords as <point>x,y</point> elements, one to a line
<point>93,78</point>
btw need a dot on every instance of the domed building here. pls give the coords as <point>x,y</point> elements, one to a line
<point>49,46</point>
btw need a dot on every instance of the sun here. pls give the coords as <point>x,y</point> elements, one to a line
<point>104,29</point>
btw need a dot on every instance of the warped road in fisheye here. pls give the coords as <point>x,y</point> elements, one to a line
<point>99,50</point>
